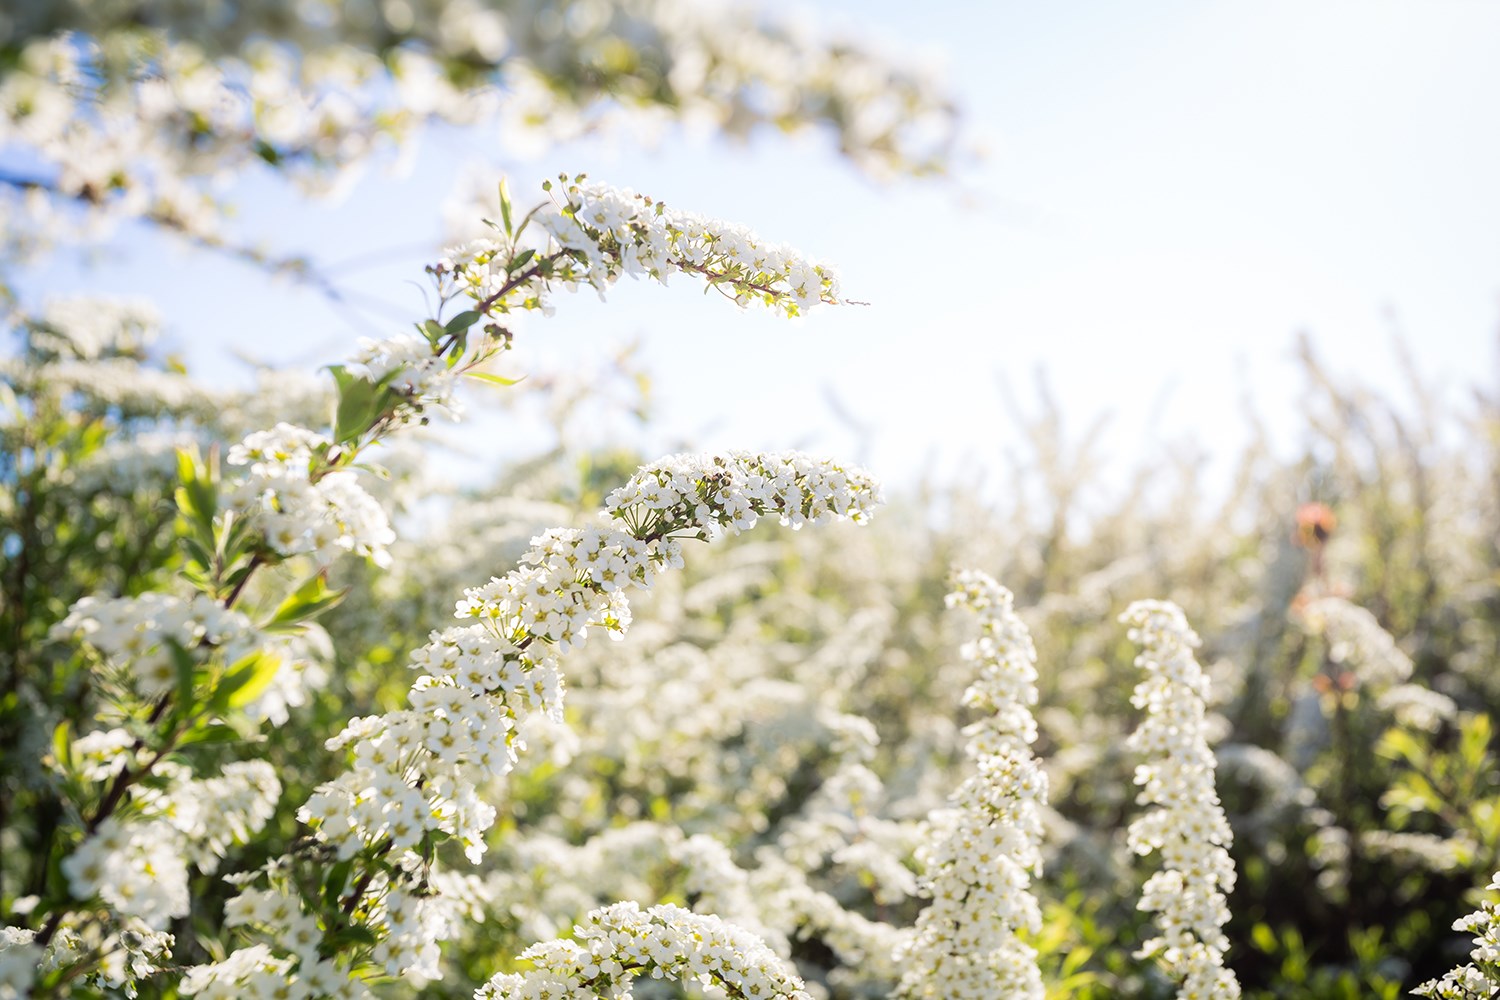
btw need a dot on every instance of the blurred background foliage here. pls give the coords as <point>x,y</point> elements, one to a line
<point>1362,821</point>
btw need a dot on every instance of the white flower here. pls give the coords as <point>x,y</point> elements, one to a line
<point>135,867</point>
<point>1187,826</point>
<point>599,233</point>
<point>297,513</point>
<point>985,848</point>
<point>618,943</point>
<point>420,769</point>
<point>1481,978</point>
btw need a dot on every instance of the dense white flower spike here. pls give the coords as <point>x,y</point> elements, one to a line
<point>1187,826</point>
<point>619,943</point>
<point>599,233</point>
<point>987,846</point>
<point>419,771</point>
<point>1479,979</point>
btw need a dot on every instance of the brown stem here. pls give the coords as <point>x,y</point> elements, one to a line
<point>364,882</point>
<point>517,281</point>
<point>256,561</point>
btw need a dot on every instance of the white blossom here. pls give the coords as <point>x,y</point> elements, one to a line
<point>1186,825</point>
<point>1481,977</point>
<point>599,233</point>
<point>617,943</point>
<point>984,849</point>
<point>298,512</point>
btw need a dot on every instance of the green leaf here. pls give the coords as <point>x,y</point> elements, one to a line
<point>462,321</point>
<point>214,732</point>
<point>62,745</point>
<point>312,598</point>
<point>495,379</point>
<point>354,934</point>
<point>505,206</point>
<point>359,407</point>
<point>247,680</point>
<point>197,551</point>
<point>334,882</point>
<point>187,670</point>
<point>519,261</point>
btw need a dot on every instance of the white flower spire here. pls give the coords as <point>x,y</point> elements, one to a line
<point>986,848</point>
<point>1187,826</point>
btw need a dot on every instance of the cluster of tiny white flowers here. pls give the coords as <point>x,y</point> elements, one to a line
<point>1479,979</point>
<point>323,516</point>
<point>1187,827</point>
<point>1418,707</point>
<point>617,943</point>
<point>1356,641</point>
<point>986,847</point>
<point>102,754</point>
<point>128,951</point>
<point>136,868</point>
<point>705,495</point>
<point>138,633</point>
<point>19,961</point>
<point>128,122</point>
<point>257,972</point>
<point>1423,850</point>
<point>868,949</point>
<point>88,328</point>
<point>211,814</point>
<point>127,466</point>
<point>602,233</point>
<point>420,769</point>
<point>425,381</point>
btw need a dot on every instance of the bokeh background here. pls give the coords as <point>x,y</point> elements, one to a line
<point>1157,201</point>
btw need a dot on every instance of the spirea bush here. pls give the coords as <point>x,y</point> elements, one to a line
<point>281,718</point>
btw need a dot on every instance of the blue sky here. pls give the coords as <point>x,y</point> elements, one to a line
<point>1171,191</point>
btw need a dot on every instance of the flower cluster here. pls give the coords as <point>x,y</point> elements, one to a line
<point>705,495</point>
<point>985,848</point>
<point>19,959</point>
<point>1481,977</point>
<point>617,943</point>
<point>258,972</point>
<point>419,770</point>
<point>138,634</point>
<point>324,515</point>
<point>127,951</point>
<point>138,867</point>
<point>599,233</point>
<point>1356,641</point>
<point>1187,826</point>
<point>409,365</point>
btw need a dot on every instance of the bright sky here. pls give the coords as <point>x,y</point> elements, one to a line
<point>1172,190</point>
